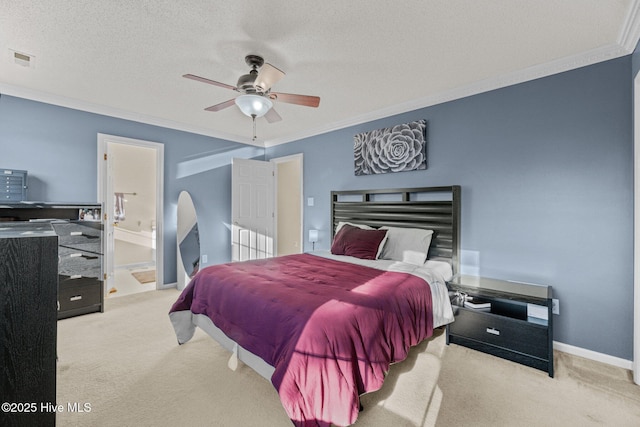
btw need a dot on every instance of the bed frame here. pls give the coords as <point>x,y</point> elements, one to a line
<point>431,208</point>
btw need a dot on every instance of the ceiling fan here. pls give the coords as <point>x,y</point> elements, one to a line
<point>255,88</point>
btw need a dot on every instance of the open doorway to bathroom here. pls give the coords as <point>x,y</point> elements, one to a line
<point>289,207</point>
<point>130,185</point>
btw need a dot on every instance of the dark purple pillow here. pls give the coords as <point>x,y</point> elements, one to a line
<point>357,242</point>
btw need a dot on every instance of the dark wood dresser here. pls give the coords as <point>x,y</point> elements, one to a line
<point>79,227</point>
<point>28,307</point>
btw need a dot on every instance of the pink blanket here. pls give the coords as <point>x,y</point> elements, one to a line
<point>330,329</point>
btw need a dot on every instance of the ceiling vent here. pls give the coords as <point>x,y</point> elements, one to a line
<point>21,58</point>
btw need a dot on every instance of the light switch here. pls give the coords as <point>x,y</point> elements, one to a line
<point>310,201</point>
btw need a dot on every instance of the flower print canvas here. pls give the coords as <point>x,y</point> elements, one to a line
<point>395,149</point>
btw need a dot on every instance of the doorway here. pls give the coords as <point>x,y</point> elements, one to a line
<point>130,177</point>
<point>289,206</point>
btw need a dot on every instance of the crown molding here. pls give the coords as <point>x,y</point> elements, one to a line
<point>627,42</point>
<point>509,79</point>
<point>630,33</point>
<point>75,104</point>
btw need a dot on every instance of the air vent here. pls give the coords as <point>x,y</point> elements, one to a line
<point>21,58</point>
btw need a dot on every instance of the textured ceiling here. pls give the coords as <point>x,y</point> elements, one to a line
<point>365,59</point>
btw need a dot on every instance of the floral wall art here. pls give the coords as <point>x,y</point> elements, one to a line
<point>394,149</point>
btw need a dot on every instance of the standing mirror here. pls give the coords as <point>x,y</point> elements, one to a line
<point>188,240</point>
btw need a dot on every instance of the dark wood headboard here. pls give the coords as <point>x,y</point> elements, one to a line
<point>431,208</point>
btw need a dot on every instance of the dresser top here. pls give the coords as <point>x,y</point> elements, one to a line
<point>25,229</point>
<point>48,205</point>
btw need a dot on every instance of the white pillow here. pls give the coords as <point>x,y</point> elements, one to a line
<point>364,227</point>
<point>409,245</point>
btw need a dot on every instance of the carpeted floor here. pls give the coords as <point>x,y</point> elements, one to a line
<point>126,365</point>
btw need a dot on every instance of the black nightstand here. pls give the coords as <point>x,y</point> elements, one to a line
<point>514,327</point>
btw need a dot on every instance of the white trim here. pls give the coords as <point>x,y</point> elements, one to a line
<point>103,140</point>
<point>168,286</point>
<point>630,32</point>
<point>519,76</point>
<point>636,229</point>
<point>287,158</point>
<point>593,355</point>
<point>628,38</point>
<point>76,104</point>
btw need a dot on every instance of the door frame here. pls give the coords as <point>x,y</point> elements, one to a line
<point>286,159</point>
<point>103,197</point>
<point>636,231</point>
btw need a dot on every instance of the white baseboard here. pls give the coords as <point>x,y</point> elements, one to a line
<point>168,285</point>
<point>593,355</point>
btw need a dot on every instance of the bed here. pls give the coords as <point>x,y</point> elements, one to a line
<point>325,326</point>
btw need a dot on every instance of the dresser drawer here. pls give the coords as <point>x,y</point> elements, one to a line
<point>77,262</point>
<point>79,233</point>
<point>65,281</point>
<point>79,294</point>
<point>512,334</point>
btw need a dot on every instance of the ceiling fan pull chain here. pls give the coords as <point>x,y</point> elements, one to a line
<point>253,116</point>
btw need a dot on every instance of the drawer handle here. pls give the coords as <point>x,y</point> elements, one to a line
<point>493,331</point>
<point>76,298</point>
<point>80,233</point>
<point>77,255</point>
<point>75,276</point>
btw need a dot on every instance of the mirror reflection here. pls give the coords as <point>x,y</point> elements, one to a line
<point>188,240</point>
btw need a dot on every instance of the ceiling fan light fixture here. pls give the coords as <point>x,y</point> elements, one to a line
<point>253,105</point>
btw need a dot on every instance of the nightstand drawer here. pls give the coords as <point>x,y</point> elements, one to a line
<point>512,334</point>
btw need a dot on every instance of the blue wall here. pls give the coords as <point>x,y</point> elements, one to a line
<point>546,171</point>
<point>58,147</point>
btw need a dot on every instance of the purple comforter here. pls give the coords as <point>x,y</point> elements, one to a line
<point>329,328</point>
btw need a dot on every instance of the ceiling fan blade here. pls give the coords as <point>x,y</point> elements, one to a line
<point>290,98</point>
<point>272,116</point>
<point>211,82</point>
<point>267,77</point>
<point>222,105</point>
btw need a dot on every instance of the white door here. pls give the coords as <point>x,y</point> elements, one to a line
<point>252,209</point>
